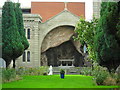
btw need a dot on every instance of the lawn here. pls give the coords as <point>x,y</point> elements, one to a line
<point>54,81</point>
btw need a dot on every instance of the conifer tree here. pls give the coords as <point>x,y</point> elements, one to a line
<point>20,27</point>
<point>118,24</point>
<point>11,41</point>
<point>106,44</point>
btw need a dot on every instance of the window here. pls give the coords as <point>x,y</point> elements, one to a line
<point>24,57</point>
<point>28,34</point>
<point>28,56</point>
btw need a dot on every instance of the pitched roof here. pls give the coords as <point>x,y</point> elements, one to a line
<point>50,9</point>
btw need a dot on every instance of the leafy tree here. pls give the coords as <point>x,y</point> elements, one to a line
<point>11,41</point>
<point>102,39</point>
<point>85,33</point>
<point>20,27</point>
<point>118,25</point>
<point>106,43</point>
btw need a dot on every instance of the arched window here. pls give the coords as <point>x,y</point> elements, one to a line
<point>28,33</point>
<point>24,57</point>
<point>28,56</point>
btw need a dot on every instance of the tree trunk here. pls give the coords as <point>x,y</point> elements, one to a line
<point>7,64</point>
<point>14,63</point>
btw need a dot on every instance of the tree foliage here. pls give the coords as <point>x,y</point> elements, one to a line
<point>102,37</point>
<point>85,33</point>
<point>106,41</point>
<point>118,24</point>
<point>20,27</point>
<point>19,21</point>
<point>11,42</point>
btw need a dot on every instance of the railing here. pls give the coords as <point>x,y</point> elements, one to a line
<point>68,70</point>
<point>66,62</point>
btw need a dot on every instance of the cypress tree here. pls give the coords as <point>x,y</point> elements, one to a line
<point>11,41</point>
<point>106,44</point>
<point>20,27</point>
<point>118,25</point>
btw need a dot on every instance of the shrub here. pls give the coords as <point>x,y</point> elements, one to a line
<point>100,74</point>
<point>12,74</point>
<point>45,73</point>
<point>43,69</point>
<point>32,71</point>
<point>116,77</point>
<point>62,71</point>
<point>8,74</point>
<point>109,81</point>
<point>20,71</point>
<point>99,77</point>
<point>86,71</point>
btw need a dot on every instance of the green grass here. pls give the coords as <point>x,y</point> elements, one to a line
<point>54,81</point>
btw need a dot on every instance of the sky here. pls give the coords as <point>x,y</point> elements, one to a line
<point>88,5</point>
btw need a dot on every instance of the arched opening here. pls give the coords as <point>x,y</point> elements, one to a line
<point>58,48</point>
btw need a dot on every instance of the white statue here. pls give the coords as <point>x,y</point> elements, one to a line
<point>50,70</point>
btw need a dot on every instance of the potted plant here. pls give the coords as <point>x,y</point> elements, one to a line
<point>62,73</point>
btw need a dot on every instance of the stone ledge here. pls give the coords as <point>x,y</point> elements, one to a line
<point>32,16</point>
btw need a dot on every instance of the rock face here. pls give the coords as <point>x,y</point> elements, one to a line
<point>64,51</point>
<point>77,46</point>
<point>118,69</point>
<point>58,45</point>
<point>57,36</point>
<point>44,59</point>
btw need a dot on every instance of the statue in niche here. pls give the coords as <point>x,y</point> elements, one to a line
<point>84,48</point>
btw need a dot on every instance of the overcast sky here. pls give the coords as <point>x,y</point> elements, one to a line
<point>88,4</point>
